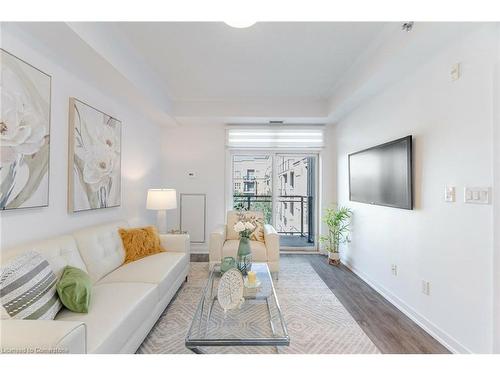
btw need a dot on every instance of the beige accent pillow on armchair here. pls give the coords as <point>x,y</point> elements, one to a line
<point>258,233</point>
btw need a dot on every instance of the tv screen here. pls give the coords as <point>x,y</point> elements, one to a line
<point>382,175</point>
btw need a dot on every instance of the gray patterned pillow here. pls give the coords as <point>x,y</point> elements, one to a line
<point>28,288</point>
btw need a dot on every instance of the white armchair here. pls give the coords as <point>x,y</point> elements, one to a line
<point>224,242</point>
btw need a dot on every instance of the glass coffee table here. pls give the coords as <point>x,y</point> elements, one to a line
<point>259,321</point>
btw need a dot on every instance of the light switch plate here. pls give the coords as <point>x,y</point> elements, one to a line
<point>426,287</point>
<point>394,269</point>
<point>449,194</point>
<point>477,195</point>
<point>455,72</point>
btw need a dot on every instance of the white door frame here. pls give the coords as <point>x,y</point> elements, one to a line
<point>496,200</point>
<point>274,153</point>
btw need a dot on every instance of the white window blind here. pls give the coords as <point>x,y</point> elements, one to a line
<point>273,137</point>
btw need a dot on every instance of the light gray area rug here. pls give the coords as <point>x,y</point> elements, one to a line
<point>316,320</point>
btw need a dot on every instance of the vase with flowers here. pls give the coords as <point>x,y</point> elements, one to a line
<point>244,227</point>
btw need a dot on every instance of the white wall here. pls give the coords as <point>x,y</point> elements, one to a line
<point>141,161</point>
<point>329,173</point>
<point>199,146</point>
<point>448,244</point>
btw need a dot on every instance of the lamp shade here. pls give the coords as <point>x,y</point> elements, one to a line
<point>161,199</point>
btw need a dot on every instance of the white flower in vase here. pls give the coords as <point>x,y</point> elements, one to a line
<point>239,227</point>
<point>249,226</point>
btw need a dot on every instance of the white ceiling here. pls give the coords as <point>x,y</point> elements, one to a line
<point>297,72</point>
<point>213,61</point>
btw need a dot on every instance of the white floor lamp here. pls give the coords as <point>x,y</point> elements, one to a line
<point>161,200</point>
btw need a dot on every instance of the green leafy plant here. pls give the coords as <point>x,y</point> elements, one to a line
<point>338,221</point>
<point>265,208</point>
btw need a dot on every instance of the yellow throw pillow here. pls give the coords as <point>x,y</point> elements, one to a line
<point>140,242</point>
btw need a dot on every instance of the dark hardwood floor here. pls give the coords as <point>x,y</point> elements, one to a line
<point>199,257</point>
<point>389,329</point>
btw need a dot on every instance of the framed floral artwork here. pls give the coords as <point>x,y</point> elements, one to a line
<point>94,158</point>
<point>24,134</point>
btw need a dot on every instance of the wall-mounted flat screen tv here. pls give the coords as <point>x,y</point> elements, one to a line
<point>382,175</point>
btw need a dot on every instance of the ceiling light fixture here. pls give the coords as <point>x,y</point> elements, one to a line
<point>240,24</point>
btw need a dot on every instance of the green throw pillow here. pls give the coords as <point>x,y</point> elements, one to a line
<point>74,289</point>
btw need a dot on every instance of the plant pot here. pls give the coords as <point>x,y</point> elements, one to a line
<point>334,258</point>
<point>244,256</point>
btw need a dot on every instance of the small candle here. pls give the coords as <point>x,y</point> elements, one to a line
<point>252,278</point>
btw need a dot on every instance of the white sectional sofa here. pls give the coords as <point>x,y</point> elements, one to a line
<point>126,299</point>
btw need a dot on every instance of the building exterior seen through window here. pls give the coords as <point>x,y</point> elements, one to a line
<point>294,196</point>
<point>252,183</point>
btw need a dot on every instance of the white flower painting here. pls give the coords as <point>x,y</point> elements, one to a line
<point>95,154</point>
<point>24,134</point>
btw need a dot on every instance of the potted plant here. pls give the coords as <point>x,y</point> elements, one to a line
<point>338,221</point>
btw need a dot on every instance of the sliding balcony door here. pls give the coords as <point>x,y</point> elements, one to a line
<point>295,200</point>
<point>284,188</point>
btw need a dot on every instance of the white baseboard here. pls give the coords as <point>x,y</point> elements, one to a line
<point>442,337</point>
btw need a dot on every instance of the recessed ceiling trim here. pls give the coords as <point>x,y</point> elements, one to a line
<point>102,38</point>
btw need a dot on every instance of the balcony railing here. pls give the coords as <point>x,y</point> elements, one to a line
<point>264,203</point>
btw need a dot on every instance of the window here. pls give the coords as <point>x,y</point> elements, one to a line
<point>270,137</point>
<point>252,182</point>
<point>287,201</point>
<point>249,187</point>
